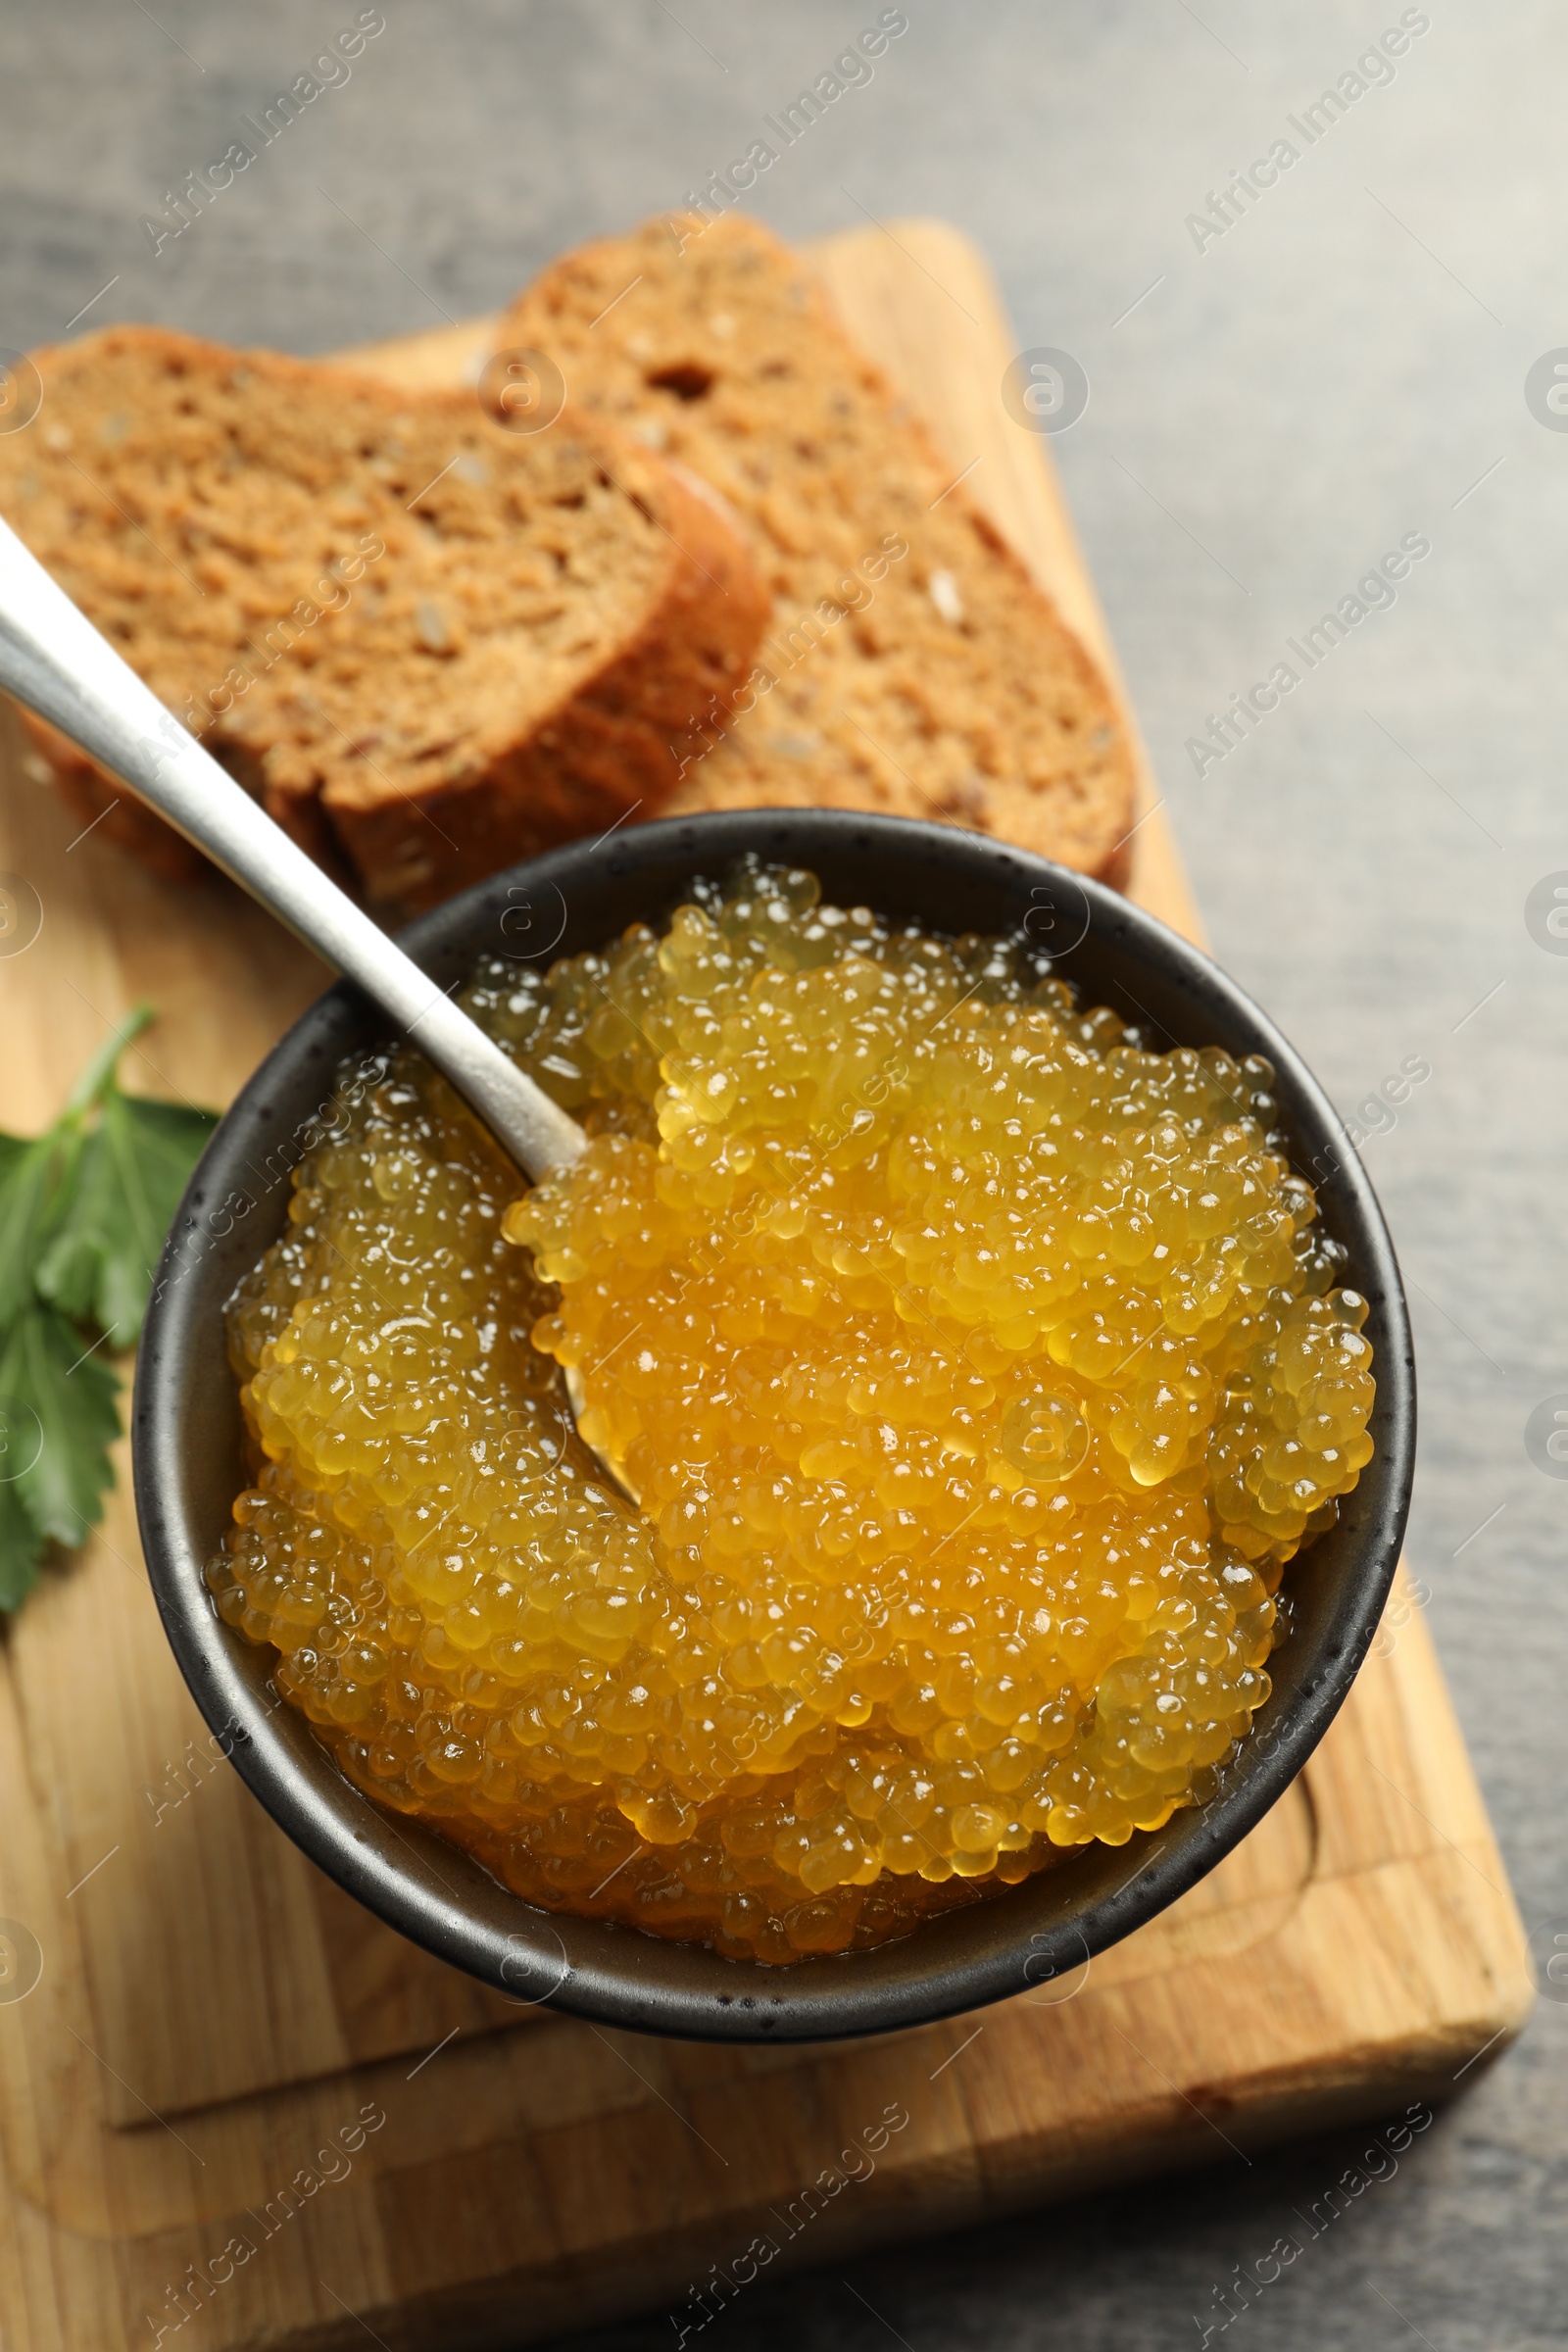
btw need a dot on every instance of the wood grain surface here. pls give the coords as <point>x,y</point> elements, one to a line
<point>234,2104</point>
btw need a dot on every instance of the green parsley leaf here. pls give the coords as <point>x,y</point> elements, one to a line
<point>83,1212</point>
<point>22,1548</point>
<point>134,1168</point>
<point>28,1199</point>
<point>54,1389</point>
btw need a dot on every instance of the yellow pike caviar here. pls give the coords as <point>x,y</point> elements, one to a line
<point>977,1369</point>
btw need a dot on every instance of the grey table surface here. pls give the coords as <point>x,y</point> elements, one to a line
<point>1271,409</point>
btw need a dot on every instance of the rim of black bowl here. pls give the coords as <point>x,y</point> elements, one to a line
<point>188,1467</point>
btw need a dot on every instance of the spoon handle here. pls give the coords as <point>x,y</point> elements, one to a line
<point>53,659</point>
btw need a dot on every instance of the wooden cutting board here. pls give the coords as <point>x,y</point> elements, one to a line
<point>234,2106</point>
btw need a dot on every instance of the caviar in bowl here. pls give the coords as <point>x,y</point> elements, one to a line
<point>841,1898</point>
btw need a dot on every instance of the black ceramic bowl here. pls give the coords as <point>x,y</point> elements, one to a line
<point>189,1462</point>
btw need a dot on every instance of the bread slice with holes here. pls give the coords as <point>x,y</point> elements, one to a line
<point>429,643</point>
<point>913,664</point>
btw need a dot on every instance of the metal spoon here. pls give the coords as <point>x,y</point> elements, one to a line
<point>53,659</point>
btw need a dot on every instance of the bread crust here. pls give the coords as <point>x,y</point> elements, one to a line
<point>616,747</point>
<point>614,741</point>
<point>100,801</point>
<point>1014,732</point>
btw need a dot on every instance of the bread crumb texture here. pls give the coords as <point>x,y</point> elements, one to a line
<point>429,643</point>
<point>912,666</point>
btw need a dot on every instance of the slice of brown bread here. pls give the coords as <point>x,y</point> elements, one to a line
<point>913,664</point>
<point>429,643</point>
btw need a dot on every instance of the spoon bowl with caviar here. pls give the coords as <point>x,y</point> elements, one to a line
<point>887,1508</point>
